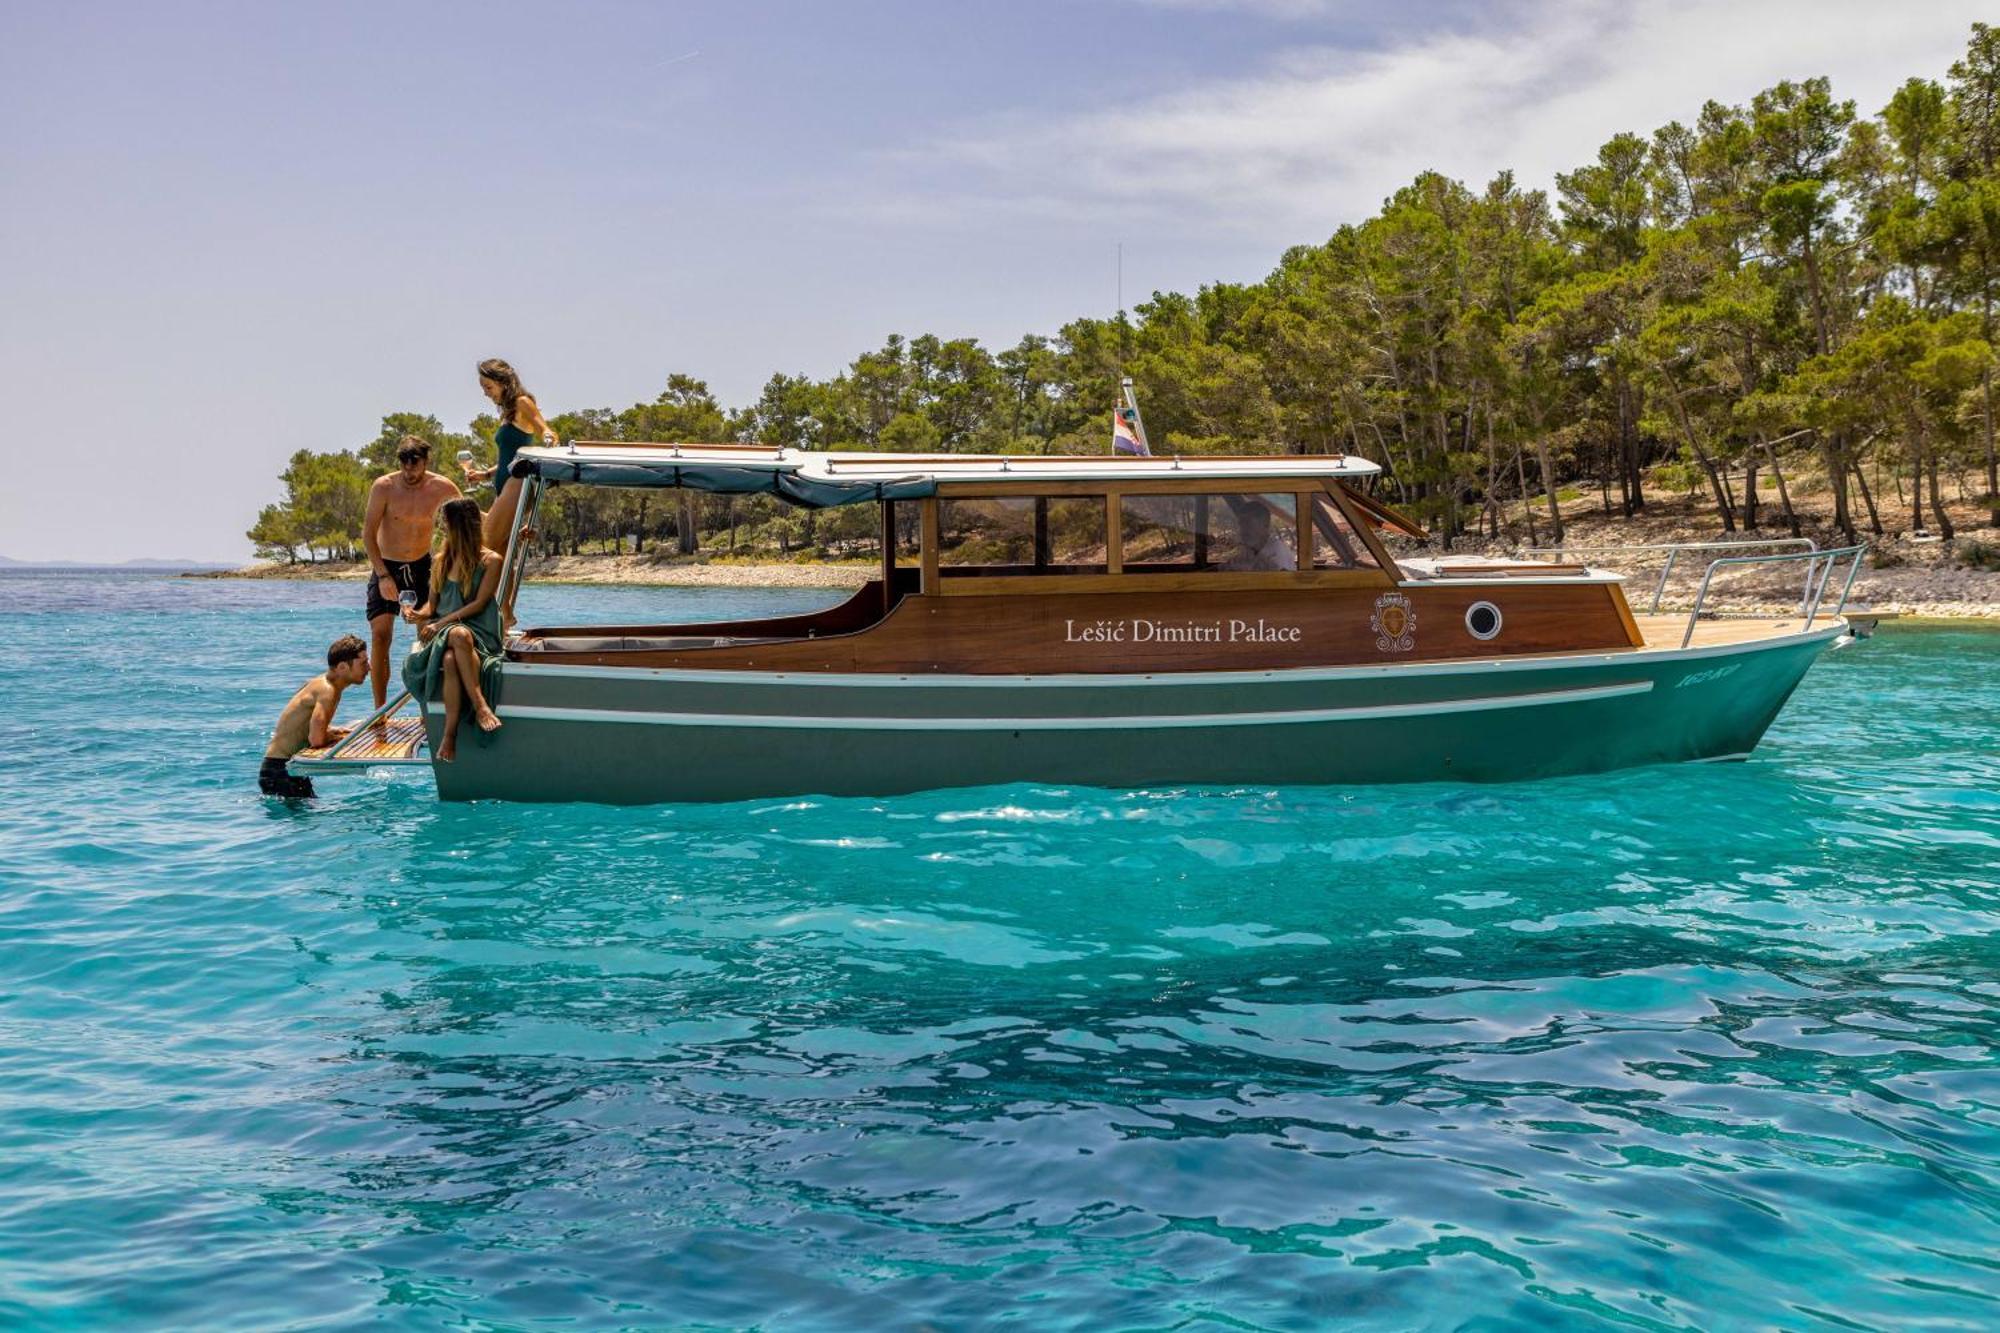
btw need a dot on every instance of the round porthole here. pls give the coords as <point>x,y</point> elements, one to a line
<point>1482,620</point>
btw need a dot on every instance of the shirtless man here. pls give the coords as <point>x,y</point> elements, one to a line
<point>308,718</point>
<point>402,511</point>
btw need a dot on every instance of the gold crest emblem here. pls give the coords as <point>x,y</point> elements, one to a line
<point>1394,623</point>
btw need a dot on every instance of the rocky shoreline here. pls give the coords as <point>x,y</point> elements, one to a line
<point>638,571</point>
<point>1922,591</point>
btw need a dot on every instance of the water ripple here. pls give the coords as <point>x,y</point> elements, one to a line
<point>1692,1047</point>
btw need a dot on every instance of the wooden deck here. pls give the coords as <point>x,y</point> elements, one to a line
<point>399,740</point>
<point>1665,631</point>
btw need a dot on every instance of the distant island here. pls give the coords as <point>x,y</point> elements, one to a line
<point>7,562</point>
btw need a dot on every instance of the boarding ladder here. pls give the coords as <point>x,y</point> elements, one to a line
<point>388,738</point>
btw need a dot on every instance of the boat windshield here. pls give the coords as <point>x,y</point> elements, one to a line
<point>1336,545</point>
<point>1208,532</point>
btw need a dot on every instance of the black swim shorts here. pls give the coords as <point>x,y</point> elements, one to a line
<point>274,779</point>
<point>409,575</point>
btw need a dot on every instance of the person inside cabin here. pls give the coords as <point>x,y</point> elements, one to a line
<point>457,657</point>
<point>1259,547</point>
<point>402,513</point>
<point>307,721</point>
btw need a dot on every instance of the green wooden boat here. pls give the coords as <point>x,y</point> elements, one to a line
<point>1117,622</point>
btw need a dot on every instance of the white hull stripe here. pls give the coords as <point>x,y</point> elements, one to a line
<point>1157,722</point>
<point>1082,681</point>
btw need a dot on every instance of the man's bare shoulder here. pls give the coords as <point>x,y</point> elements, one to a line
<point>381,483</point>
<point>443,485</point>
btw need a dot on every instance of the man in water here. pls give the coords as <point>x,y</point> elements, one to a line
<point>402,511</point>
<point>308,718</point>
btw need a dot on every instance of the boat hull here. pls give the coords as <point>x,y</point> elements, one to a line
<point>636,736</point>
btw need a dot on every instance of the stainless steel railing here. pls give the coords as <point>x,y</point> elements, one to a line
<point>1674,549</point>
<point>513,564</point>
<point>1819,572</point>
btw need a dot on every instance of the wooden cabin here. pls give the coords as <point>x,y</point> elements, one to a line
<point>1022,565</point>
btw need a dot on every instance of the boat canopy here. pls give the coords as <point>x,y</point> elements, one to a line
<point>822,480</point>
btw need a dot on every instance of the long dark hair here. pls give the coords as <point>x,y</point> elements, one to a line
<point>511,392</point>
<point>463,544</point>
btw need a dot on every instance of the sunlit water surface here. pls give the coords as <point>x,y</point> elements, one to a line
<point>1705,1045</point>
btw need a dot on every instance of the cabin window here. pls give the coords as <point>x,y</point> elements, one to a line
<point>907,518</point>
<point>1336,545</point>
<point>1482,621</point>
<point>1023,534</point>
<point>1210,532</point>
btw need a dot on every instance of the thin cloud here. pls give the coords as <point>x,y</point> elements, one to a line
<point>1294,10</point>
<point>1323,133</point>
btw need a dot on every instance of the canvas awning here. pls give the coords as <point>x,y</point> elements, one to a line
<point>822,480</point>
<point>718,471</point>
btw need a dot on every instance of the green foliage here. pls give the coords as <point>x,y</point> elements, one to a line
<point>1782,286</point>
<point>910,433</point>
<point>276,534</point>
<point>326,497</point>
<point>379,454</point>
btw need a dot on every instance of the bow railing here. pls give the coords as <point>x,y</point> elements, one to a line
<point>1674,550</point>
<point>1819,573</point>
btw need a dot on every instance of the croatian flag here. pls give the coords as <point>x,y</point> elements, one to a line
<point>1125,433</point>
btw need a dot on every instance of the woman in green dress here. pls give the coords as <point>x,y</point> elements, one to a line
<point>457,657</point>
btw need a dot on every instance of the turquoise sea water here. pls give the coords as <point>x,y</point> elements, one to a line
<point>1712,1045</point>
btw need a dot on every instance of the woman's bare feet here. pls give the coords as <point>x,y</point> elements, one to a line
<point>448,751</point>
<point>487,719</point>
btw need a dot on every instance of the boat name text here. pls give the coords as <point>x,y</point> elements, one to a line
<point>1179,631</point>
<point>1703,677</point>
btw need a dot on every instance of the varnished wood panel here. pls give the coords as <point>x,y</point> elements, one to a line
<point>1664,631</point>
<point>1381,512</point>
<point>1513,569</point>
<point>885,599</point>
<point>1353,510</point>
<point>1168,631</point>
<point>1213,580</point>
<point>1624,610</point>
<point>398,738</point>
<point>931,542</point>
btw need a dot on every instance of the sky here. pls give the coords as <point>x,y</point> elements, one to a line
<point>229,231</point>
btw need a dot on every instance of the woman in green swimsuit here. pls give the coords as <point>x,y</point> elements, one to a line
<point>521,423</point>
<point>457,657</point>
